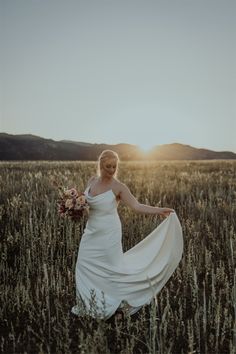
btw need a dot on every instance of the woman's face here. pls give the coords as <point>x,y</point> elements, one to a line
<point>109,167</point>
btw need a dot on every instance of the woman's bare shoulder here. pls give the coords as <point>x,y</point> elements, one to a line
<point>119,185</point>
<point>91,179</point>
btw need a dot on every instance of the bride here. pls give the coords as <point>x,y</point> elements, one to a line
<point>108,279</point>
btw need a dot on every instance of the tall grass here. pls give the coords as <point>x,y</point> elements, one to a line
<point>194,313</point>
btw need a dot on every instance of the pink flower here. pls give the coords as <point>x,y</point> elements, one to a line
<point>71,193</point>
<point>81,199</point>
<point>69,204</point>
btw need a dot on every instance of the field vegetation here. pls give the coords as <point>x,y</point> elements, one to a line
<point>194,313</point>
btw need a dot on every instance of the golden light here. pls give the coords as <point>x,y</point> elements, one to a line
<point>145,147</point>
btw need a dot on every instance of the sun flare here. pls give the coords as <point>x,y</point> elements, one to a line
<point>146,148</point>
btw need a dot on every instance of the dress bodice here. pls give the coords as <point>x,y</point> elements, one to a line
<point>102,204</point>
<point>102,211</point>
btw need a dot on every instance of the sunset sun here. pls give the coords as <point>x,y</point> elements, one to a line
<point>146,147</point>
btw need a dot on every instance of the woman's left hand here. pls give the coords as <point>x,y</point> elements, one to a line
<point>165,211</point>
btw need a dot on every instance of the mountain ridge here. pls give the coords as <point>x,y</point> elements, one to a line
<point>32,147</point>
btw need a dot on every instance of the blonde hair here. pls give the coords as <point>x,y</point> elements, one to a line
<point>106,155</point>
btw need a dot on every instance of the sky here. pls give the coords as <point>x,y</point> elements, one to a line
<point>143,72</point>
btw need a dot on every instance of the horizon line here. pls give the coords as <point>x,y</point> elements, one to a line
<point>95,143</point>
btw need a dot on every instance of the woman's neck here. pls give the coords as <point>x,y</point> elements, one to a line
<point>105,180</point>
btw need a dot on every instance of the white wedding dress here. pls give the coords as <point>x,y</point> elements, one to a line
<point>107,278</point>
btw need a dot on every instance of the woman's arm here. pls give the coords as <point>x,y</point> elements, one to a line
<point>127,197</point>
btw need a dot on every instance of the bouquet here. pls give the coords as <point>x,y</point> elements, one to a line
<point>72,204</point>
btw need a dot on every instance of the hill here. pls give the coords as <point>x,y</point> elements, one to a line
<point>32,147</point>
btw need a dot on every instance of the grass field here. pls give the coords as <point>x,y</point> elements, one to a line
<point>194,313</point>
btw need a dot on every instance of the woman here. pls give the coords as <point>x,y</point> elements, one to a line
<point>106,278</point>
